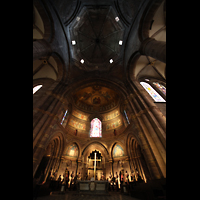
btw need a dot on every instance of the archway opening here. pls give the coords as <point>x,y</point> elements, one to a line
<point>95,165</point>
<point>138,166</point>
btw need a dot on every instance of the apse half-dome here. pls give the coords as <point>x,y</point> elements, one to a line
<point>96,99</point>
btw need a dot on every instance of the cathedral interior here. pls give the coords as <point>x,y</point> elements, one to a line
<point>99,88</point>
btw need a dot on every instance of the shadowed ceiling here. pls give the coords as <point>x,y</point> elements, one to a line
<point>96,32</point>
<point>91,30</point>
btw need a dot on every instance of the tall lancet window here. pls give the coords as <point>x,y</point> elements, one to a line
<point>152,92</point>
<point>95,129</point>
<point>126,117</point>
<point>64,117</point>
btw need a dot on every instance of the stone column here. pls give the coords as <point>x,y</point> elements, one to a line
<point>150,136</point>
<point>41,49</point>
<point>48,112</point>
<point>155,49</point>
<point>159,120</point>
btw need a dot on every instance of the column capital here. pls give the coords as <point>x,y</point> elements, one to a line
<point>155,49</point>
<point>41,49</point>
<point>144,43</point>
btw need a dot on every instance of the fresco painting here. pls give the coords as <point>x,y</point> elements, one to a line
<point>72,151</point>
<point>112,115</point>
<point>79,115</point>
<point>113,125</point>
<point>77,125</point>
<point>118,151</point>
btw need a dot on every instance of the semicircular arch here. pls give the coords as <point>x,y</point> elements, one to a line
<point>71,143</point>
<point>120,144</point>
<point>41,14</point>
<point>96,145</point>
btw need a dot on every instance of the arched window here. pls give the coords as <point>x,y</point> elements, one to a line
<point>152,92</point>
<point>126,117</point>
<point>161,87</point>
<point>95,129</point>
<point>64,117</point>
<point>36,88</point>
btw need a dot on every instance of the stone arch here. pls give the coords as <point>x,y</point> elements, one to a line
<point>51,67</point>
<point>138,157</point>
<point>102,147</point>
<point>105,159</point>
<point>95,115</point>
<point>46,19</point>
<point>147,17</point>
<point>48,84</point>
<point>114,144</point>
<point>53,145</point>
<point>132,63</point>
<point>77,144</point>
<point>60,138</point>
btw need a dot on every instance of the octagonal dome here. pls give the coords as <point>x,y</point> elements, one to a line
<point>96,38</point>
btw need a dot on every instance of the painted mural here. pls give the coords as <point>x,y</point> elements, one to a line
<point>118,151</point>
<point>79,115</point>
<point>96,98</point>
<point>77,125</point>
<point>113,125</point>
<point>112,115</point>
<point>96,108</point>
<point>72,151</point>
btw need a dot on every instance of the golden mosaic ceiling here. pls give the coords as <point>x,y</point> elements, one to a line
<point>96,98</point>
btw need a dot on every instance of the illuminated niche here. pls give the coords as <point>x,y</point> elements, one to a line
<point>96,128</point>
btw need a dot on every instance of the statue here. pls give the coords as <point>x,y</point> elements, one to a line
<point>122,175</point>
<point>86,176</point>
<point>110,178</point>
<point>116,178</point>
<point>126,177</point>
<point>102,177</point>
<point>136,174</point>
<point>132,175</point>
<point>121,162</point>
<point>72,177</point>
<point>79,176</point>
<point>66,175</point>
<point>96,177</point>
<point>75,132</point>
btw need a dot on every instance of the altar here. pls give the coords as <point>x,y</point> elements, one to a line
<point>92,186</point>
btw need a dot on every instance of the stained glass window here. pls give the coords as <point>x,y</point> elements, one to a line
<point>64,117</point>
<point>126,117</point>
<point>152,92</point>
<point>95,130</point>
<point>36,88</point>
<point>160,87</point>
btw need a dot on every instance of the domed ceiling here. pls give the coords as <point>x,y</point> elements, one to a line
<point>96,98</point>
<point>95,37</point>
